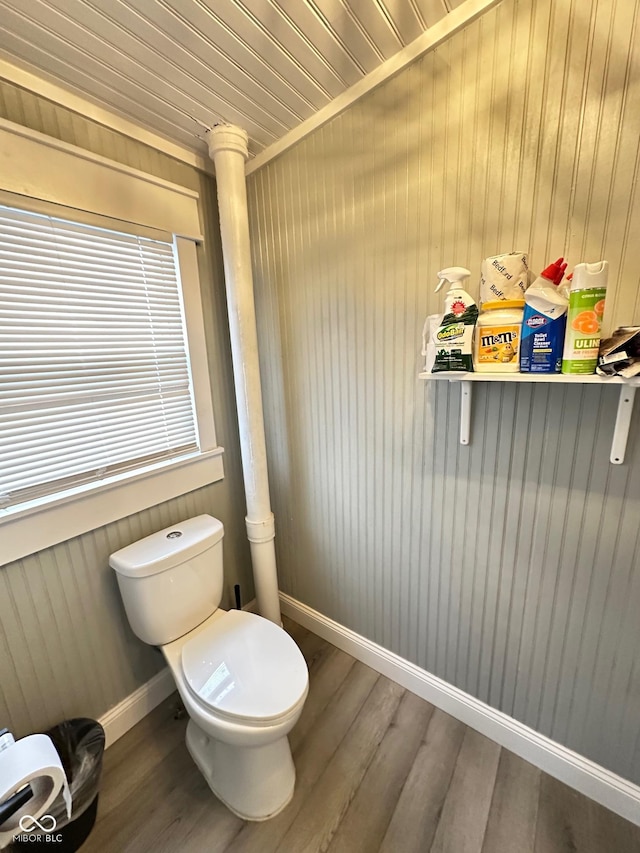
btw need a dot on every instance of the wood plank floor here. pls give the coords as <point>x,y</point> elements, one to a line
<point>378,769</point>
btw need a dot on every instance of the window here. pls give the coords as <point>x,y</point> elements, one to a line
<point>105,394</point>
<point>93,358</point>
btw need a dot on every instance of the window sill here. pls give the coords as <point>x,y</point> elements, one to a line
<point>27,529</point>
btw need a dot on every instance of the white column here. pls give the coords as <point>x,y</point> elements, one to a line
<point>228,149</point>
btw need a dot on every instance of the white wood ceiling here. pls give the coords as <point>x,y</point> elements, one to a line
<point>180,66</point>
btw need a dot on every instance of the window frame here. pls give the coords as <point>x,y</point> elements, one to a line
<point>34,525</point>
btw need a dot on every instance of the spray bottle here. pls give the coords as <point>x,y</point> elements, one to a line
<point>584,322</point>
<point>544,322</point>
<point>454,337</point>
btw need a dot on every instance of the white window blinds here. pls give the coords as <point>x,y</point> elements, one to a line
<point>94,371</point>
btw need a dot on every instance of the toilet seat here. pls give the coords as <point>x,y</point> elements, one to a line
<point>245,669</point>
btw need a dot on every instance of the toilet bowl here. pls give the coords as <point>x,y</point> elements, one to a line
<point>242,678</point>
<point>243,682</point>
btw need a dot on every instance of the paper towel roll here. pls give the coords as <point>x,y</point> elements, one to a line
<point>504,277</point>
<point>32,760</point>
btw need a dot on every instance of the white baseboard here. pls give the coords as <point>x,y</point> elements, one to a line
<point>134,707</point>
<point>123,716</point>
<point>586,776</point>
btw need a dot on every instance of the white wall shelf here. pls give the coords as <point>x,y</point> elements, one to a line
<point>625,403</point>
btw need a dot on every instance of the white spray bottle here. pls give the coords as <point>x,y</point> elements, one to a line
<point>454,337</point>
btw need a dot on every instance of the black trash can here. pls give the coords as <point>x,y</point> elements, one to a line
<point>80,745</point>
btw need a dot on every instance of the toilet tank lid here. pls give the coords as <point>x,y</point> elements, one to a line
<point>167,548</point>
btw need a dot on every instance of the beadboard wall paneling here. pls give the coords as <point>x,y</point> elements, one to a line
<point>181,67</point>
<point>510,567</point>
<point>65,646</point>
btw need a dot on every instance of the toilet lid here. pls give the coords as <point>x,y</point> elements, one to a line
<point>244,666</point>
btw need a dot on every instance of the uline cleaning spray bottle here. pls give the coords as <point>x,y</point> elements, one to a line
<point>454,337</point>
<point>586,307</point>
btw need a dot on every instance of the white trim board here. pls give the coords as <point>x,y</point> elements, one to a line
<point>36,81</point>
<point>446,27</point>
<point>38,166</point>
<point>93,505</point>
<point>124,716</point>
<point>601,785</point>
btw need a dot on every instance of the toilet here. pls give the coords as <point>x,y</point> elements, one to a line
<point>242,678</point>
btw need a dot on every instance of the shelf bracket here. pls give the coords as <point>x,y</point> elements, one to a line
<point>465,411</point>
<point>623,420</point>
<point>623,417</point>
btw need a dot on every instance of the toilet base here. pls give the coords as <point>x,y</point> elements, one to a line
<point>255,783</point>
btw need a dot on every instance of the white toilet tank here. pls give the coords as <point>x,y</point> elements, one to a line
<point>171,581</point>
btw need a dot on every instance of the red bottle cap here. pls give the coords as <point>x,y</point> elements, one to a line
<point>560,274</point>
<point>555,272</point>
